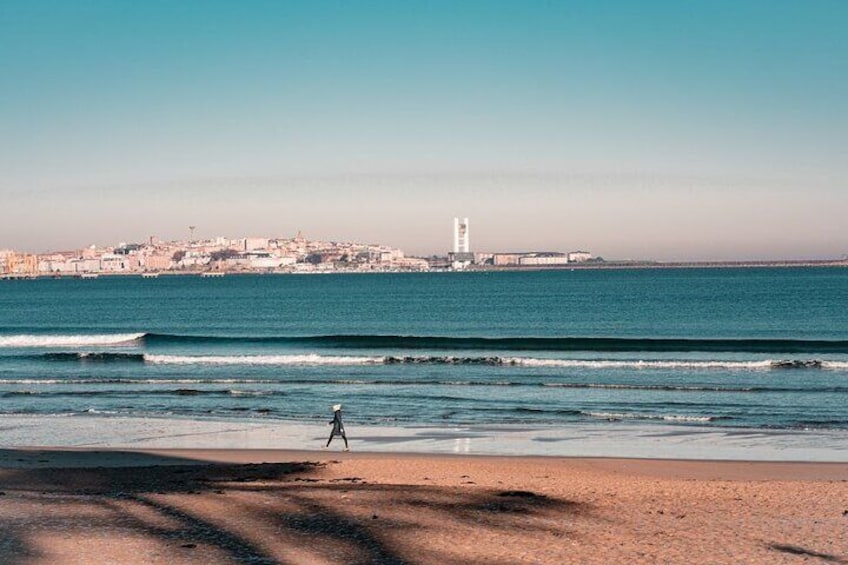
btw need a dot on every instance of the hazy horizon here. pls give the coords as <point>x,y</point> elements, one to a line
<point>653,130</point>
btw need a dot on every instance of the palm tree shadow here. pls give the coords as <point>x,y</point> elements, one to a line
<point>292,500</point>
<point>54,477</point>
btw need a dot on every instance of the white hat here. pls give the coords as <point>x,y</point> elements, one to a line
<point>337,407</point>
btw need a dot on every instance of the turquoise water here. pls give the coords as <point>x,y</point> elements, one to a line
<point>764,348</point>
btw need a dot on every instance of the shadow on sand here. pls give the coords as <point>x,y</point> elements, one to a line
<point>805,553</point>
<point>244,513</point>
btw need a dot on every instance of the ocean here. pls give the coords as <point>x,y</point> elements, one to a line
<point>718,349</point>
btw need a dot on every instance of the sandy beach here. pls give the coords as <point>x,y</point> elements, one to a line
<point>302,507</point>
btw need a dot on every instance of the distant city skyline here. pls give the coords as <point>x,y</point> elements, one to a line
<point>655,130</point>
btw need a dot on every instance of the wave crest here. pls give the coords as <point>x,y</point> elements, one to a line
<point>67,340</point>
<point>641,416</point>
<point>524,343</point>
<point>307,359</point>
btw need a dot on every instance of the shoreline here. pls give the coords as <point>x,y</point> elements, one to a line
<point>578,266</point>
<point>49,457</point>
<point>595,440</point>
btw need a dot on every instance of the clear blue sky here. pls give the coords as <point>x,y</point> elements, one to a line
<point>666,129</point>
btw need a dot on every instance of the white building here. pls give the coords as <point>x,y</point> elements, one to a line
<point>461,236</point>
<point>578,256</point>
<point>55,263</point>
<point>543,259</point>
<point>255,243</point>
<point>258,260</point>
<point>113,263</point>
<point>86,265</point>
<point>461,256</point>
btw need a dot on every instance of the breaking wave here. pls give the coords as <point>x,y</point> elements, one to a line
<point>610,344</point>
<point>641,416</point>
<point>314,359</point>
<point>600,344</point>
<point>67,340</point>
<point>404,382</point>
<point>307,359</point>
<point>649,364</point>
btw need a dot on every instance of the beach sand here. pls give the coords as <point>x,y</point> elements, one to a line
<point>301,507</point>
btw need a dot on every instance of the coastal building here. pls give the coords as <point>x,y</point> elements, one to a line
<point>505,259</point>
<point>255,243</point>
<point>538,259</point>
<point>118,263</point>
<point>461,236</point>
<point>579,256</point>
<point>194,259</point>
<point>245,254</point>
<point>263,261</point>
<point>461,256</point>
<point>157,262</point>
<point>91,252</point>
<point>412,264</point>
<point>543,259</point>
<point>56,263</point>
<point>14,263</point>
<point>86,265</point>
<point>483,258</point>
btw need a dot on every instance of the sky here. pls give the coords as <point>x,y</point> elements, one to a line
<point>664,130</point>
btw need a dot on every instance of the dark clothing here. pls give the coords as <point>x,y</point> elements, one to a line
<point>338,428</point>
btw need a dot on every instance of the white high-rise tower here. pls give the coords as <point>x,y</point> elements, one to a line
<point>461,235</point>
<point>461,256</point>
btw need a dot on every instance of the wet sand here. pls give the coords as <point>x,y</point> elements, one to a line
<point>301,507</point>
<point>621,439</point>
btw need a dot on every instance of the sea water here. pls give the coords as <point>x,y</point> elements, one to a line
<point>707,349</point>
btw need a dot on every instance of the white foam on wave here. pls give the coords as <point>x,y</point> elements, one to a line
<point>249,392</point>
<point>308,359</point>
<point>638,364</point>
<point>107,381</point>
<point>342,360</point>
<point>616,386</point>
<point>639,416</point>
<point>62,340</point>
<point>97,411</point>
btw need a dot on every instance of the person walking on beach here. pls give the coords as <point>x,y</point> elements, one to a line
<point>338,427</point>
